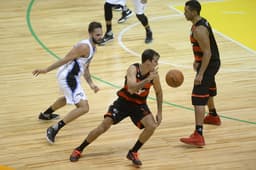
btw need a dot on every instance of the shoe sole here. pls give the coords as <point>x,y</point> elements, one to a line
<point>135,165</point>
<point>56,118</point>
<point>209,123</point>
<point>49,141</point>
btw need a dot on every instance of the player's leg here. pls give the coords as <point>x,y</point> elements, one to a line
<point>116,113</point>
<point>139,10</point>
<point>75,96</point>
<point>200,96</point>
<point>81,108</point>
<point>143,119</point>
<point>94,134</point>
<point>213,117</point>
<point>48,113</point>
<point>108,14</point>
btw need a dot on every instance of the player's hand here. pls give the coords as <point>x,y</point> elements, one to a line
<point>94,88</point>
<point>36,72</point>
<point>198,79</point>
<point>153,74</point>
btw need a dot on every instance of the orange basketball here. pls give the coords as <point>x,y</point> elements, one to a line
<point>174,78</point>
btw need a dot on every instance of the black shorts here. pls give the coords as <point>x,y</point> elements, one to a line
<point>122,108</point>
<point>207,88</point>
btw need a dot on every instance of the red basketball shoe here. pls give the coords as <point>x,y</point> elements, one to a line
<point>195,139</point>
<point>213,120</point>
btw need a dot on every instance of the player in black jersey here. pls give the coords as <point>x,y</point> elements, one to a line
<point>206,64</point>
<point>131,102</point>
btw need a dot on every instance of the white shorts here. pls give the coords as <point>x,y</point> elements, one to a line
<point>117,2</point>
<point>72,95</point>
<point>139,7</point>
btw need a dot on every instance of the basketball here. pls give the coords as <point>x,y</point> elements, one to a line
<point>174,78</point>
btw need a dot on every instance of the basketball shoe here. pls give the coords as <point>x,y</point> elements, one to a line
<point>117,8</point>
<point>75,155</point>
<point>51,116</point>
<point>133,156</point>
<point>50,134</point>
<point>149,37</point>
<point>125,15</point>
<point>194,139</point>
<point>213,120</point>
<point>107,37</point>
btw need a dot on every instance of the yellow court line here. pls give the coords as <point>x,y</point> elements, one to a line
<point>233,18</point>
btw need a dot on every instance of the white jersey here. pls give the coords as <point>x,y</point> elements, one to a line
<point>78,65</point>
<point>69,76</point>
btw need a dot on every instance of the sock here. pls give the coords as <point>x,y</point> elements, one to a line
<point>109,28</point>
<point>59,125</point>
<point>147,28</point>
<point>48,111</point>
<point>199,129</point>
<point>82,146</point>
<point>213,112</point>
<point>137,146</point>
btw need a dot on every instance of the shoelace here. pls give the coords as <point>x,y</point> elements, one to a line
<point>76,153</point>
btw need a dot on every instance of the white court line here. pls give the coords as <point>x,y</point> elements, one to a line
<point>120,35</point>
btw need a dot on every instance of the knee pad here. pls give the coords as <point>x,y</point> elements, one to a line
<point>143,19</point>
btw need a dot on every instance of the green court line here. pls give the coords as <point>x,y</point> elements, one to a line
<point>29,9</point>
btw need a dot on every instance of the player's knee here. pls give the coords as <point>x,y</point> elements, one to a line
<point>151,127</point>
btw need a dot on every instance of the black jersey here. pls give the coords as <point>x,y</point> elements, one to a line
<point>141,95</point>
<point>198,54</point>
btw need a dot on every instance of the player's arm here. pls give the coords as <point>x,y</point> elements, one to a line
<point>75,52</point>
<point>133,85</point>
<point>87,77</point>
<point>159,98</point>
<point>201,34</point>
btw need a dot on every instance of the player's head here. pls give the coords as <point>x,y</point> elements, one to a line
<point>95,31</point>
<point>150,57</point>
<point>192,9</point>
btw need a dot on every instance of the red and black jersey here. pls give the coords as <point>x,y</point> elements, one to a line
<point>198,54</point>
<point>141,95</point>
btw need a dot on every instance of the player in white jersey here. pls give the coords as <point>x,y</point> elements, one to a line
<point>75,64</point>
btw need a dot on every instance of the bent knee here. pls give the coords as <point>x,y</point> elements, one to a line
<point>84,110</point>
<point>151,127</point>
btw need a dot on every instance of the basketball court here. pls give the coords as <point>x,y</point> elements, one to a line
<point>35,33</point>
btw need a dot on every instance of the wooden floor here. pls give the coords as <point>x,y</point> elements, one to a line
<point>34,33</point>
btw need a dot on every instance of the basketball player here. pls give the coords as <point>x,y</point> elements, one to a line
<point>131,102</point>
<point>75,64</point>
<point>206,65</point>
<point>108,14</point>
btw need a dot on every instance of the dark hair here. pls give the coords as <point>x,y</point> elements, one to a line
<point>148,54</point>
<point>194,5</point>
<point>93,25</point>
